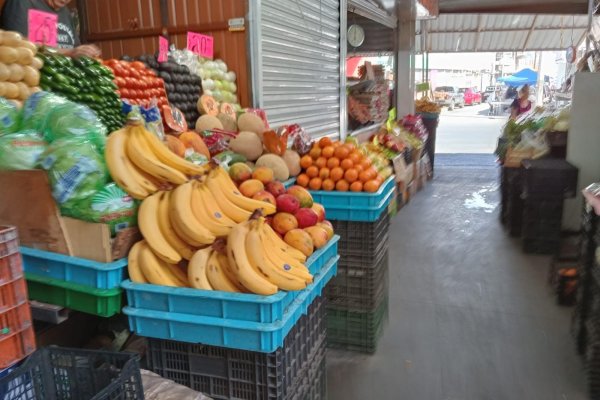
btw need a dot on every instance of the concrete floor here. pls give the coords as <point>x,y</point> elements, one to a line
<point>471,316</point>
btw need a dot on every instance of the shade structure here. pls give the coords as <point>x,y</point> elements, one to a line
<point>525,76</point>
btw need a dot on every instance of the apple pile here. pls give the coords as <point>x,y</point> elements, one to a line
<point>299,221</point>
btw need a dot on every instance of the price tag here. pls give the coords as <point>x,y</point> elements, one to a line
<point>43,27</point>
<point>163,49</point>
<point>203,45</point>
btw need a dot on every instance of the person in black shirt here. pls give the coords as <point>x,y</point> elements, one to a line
<point>15,15</point>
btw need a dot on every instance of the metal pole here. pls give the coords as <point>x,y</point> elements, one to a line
<point>589,27</point>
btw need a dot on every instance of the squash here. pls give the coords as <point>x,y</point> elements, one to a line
<point>292,160</point>
<point>247,144</point>
<point>191,140</point>
<point>276,163</point>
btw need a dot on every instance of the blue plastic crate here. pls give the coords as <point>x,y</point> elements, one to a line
<point>290,182</point>
<point>243,335</point>
<point>353,200</point>
<point>360,214</point>
<point>73,269</point>
<point>217,304</point>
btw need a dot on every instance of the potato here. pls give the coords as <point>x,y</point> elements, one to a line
<point>17,73</point>
<point>4,72</point>
<point>37,63</point>
<point>24,56</point>
<point>8,55</point>
<point>11,90</point>
<point>32,76</point>
<point>12,39</point>
<point>23,91</point>
<point>2,89</point>
<point>28,45</point>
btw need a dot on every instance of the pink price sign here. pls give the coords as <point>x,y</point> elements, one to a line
<point>163,49</point>
<point>43,27</point>
<point>203,45</point>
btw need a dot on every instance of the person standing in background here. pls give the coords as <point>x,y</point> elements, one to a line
<point>522,104</point>
<point>15,14</point>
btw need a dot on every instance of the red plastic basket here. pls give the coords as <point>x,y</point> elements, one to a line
<point>9,240</point>
<point>11,268</point>
<point>16,346</point>
<point>13,294</point>
<point>15,320</point>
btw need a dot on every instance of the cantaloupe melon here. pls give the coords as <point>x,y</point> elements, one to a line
<point>229,123</point>
<point>277,164</point>
<point>208,122</point>
<point>292,160</point>
<point>251,122</point>
<point>247,144</point>
<point>207,105</point>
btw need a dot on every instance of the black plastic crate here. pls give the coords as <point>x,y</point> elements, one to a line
<point>540,246</point>
<point>54,373</point>
<point>549,176</point>
<point>223,373</point>
<point>514,214</point>
<point>362,239</point>
<point>312,383</point>
<point>542,207</point>
<point>359,289</point>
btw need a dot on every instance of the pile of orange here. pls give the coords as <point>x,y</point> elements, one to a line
<point>337,166</point>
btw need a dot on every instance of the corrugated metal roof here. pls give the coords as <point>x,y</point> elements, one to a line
<point>502,32</point>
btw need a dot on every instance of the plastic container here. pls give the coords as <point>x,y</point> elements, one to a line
<point>11,268</point>
<point>9,240</point>
<point>549,177</point>
<point>15,346</point>
<point>224,373</point>
<point>12,294</point>
<point>15,319</point>
<point>541,246</point>
<point>101,302</point>
<point>289,183</point>
<point>362,240</point>
<point>73,269</point>
<point>57,373</point>
<point>223,305</point>
<point>235,334</point>
<point>313,382</point>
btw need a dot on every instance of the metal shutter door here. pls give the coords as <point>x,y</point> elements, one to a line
<point>299,63</point>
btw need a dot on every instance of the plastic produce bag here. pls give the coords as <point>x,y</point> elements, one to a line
<point>21,150</point>
<point>36,110</point>
<point>9,117</point>
<point>159,388</point>
<point>110,205</point>
<point>76,170</point>
<point>74,120</point>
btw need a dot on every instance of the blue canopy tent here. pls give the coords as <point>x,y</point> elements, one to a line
<point>525,76</point>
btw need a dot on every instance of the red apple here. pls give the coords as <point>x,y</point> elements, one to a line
<point>276,188</point>
<point>263,195</point>
<point>306,217</point>
<point>320,210</point>
<point>287,203</point>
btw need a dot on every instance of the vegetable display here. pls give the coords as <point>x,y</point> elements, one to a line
<point>19,69</point>
<point>137,84</point>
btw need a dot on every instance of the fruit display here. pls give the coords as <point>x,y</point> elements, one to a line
<point>137,84</point>
<point>85,81</point>
<point>424,105</point>
<point>333,165</point>
<point>19,69</point>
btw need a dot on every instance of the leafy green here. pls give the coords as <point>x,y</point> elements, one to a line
<point>20,150</point>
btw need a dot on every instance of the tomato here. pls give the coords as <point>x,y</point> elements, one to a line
<point>135,73</point>
<point>118,92</point>
<point>125,93</point>
<point>138,65</point>
<point>149,72</point>
<point>144,84</point>
<point>120,82</point>
<point>111,62</point>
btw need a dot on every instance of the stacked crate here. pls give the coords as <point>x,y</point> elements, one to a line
<point>511,212</point>
<point>17,339</point>
<point>358,296</point>
<point>545,185</point>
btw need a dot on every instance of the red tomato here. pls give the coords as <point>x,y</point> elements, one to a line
<point>138,65</point>
<point>135,73</point>
<point>149,72</point>
<point>118,92</point>
<point>143,83</point>
<point>120,82</point>
<point>125,93</point>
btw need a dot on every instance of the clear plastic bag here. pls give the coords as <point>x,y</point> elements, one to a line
<point>9,117</point>
<point>70,120</point>
<point>21,150</point>
<point>36,110</point>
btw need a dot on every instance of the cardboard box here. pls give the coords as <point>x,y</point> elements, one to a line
<point>27,203</point>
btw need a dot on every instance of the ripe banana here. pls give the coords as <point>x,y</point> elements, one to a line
<point>216,276</point>
<point>212,218</point>
<point>272,237</point>
<point>278,274</point>
<point>156,270</point>
<point>133,263</point>
<point>240,264</point>
<point>228,188</point>
<point>197,275</point>
<point>180,274</point>
<point>167,230</point>
<point>230,209</point>
<point>183,219</point>
<point>162,152</point>
<point>142,156</point>
<point>279,256</point>
<point>119,166</point>
<point>224,263</point>
<point>149,226</point>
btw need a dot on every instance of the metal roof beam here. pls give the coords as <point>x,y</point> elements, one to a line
<point>513,7</point>
<point>505,29</point>
<point>477,38</point>
<point>530,32</point>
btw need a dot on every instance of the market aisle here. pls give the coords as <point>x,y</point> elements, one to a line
<point>471,316</point>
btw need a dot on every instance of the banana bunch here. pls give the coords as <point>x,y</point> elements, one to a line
<point>140,163</point>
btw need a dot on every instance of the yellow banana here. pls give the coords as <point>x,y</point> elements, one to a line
<point>142,156</point>
<point>209,220</point>
<point>231,210</point>
<point>149,226</point>
<point>212,206</point>
<point>167,230</point>
<point>224,263</point>
<point>228,188</point>
<point>133,263</point>
<point>162,152</point>
<point>119,166</point>
<point>216,276</point>
<point>179,274</point>
<point>183,219</point>
<point>197,276</point>
<point>279,275</point>
<point>277,255</point>
<point>240,265</point>
<point>156,270</point>
<point>272,237</point>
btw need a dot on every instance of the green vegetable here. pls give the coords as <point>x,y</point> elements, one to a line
<point>21,150</point>
<point>36,110</point>
<point>9,117</point>
<point>75,120</point>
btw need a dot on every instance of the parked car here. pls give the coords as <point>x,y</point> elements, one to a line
<point>472,96</point>
<point>448,96</point>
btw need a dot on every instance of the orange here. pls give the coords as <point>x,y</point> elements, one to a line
<point>351,175</point>
<point>356,186</point>
<point>341,152</point>
<point>315,184</point>
<point>328,185</point>
<point>315,152</point>
<point>324,142</point>
<point>366,162</point>
<point>302,180</point>
<point>324,173</point>
<point>321,162</point>
<point>327,151</point>
<point>312,171</point>
<point>333,162</point>
<point>306,161</point>
<point>371,186</point>
<point>336,144</point>
<point>356,158</point>
<point>336,173</point>
<point>359,168</point>
<point>347,164</point>
<point>379,178</point>
<point>367,174</point>
<point>350,147</point>
<point>342,186</point>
